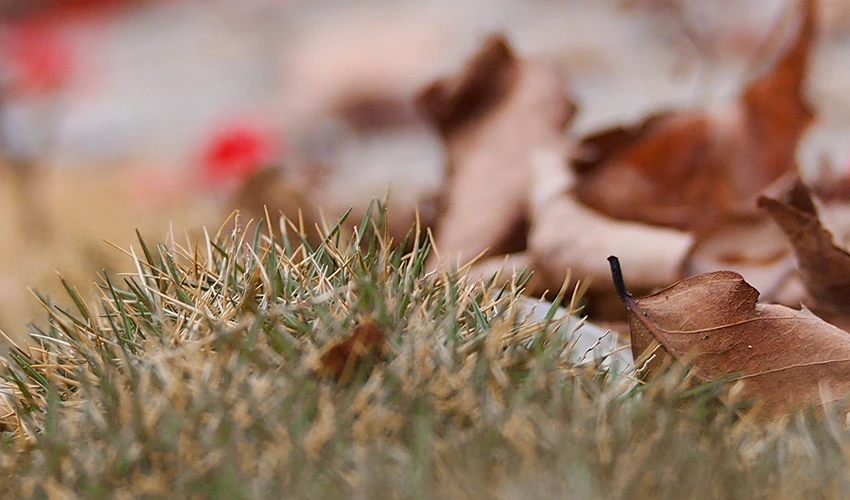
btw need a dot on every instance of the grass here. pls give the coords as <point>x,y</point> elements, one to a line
<point>202,374</point>
<point>81,207</point>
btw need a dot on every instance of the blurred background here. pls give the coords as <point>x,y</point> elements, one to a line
<point>117,115</point>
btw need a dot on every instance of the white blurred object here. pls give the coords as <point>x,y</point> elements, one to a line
<point>588,341</point>
<point>27,128</point>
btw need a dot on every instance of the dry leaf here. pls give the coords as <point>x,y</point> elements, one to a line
<point>755,248</point>
<point>283,190</point>
<point>341,360</point>
<point>690,170</point>
<point>363,67</point>
<point>492,115</point>
<point>675,193</point>
<point>600,147</point>
<point>568,236</point>
<point>784,357</point>
<point>752,245</point>
<point>824,267</point>
<point>829,184</point>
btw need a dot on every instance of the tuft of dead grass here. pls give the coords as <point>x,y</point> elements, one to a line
<point>199,375</point>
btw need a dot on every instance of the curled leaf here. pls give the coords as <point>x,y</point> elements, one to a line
<point>784,357</point>
<point>690,170</point>
<point>492,115</point>
<point>568,237</point>
<point>753,247</point>
<point>824,266</point>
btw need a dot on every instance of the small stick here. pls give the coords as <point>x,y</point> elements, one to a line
<point>617,276</point>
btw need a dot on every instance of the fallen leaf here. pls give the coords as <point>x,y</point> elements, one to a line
<point>340,360</point>
<point>283,191</point>
<point>690,170</point>
<point>601,146</point>
<point>568,237</point>
<point>829,184</point>
<point>754,247</point>
<point>675,194</point>
<point>492,115</point>
<point>824,267</point>
<point>363,67</point>
<point>784,357</point>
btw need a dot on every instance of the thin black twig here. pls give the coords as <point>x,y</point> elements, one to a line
<point>617,276</point>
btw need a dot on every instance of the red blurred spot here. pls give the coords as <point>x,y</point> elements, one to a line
<point>63,9</point>
<point>236,151</point>
<point>38,57</point>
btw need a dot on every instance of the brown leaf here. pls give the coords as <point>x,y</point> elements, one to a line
<point>341,360</point>
<point>601,146</point>
<point>283,191</point>
<point>492,115</point>
<point>829,184</point>
<point>689,170</point>
<point>824,267</point>
<point>753,247</point>
<point>568,237</point>
<point>363,67</point>
<point>784,357</point>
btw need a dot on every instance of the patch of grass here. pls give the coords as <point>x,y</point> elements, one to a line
<point>199,376</point>
<point>81,208</point>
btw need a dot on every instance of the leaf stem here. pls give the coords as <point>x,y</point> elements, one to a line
<point>617,276</point>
